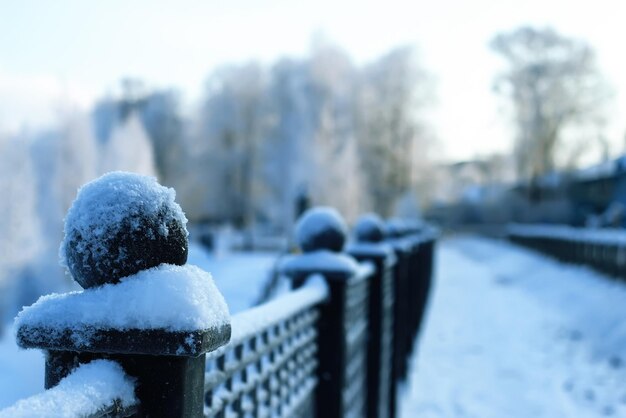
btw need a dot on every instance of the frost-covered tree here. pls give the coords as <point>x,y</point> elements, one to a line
<point>336,179</point>
<point>233,126</point>
<point>161,117</point>
<point>287,165</point>
<point>64,158</point>
<point>20,240</point>
<point>553,85</point>
<point>318,127</point>
<point>394,143</point>
<point>106,115</point>
<point>77,156</point>
<point>128,149</point>
<point>311,147</point>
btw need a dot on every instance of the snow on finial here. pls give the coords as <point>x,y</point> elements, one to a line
<point>321,228</point>
<point>120,224</point>
<point>395,228</point>
<point>369,228</point>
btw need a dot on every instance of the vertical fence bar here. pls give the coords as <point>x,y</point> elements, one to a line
<point>343,324</point>
<point>369,248</point>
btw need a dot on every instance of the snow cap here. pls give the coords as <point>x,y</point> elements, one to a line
<point>369,228</point>
<point>120,224</point>
<point>396,228</point>
<point>321,228</point>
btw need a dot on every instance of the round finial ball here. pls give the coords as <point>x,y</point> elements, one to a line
<point>120,224</point>
<point>321,228</point>
<point>369,228</point>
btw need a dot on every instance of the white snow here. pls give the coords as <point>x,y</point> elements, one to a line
<point>239,276</point>
<point>317,220</point>
<point>102,204</point>
<point>176,298</point>
<point>511,333</point>
<point>247,323</point>
<point>380,249</point>
<point>21,371</point>
<point>321,261</point>
<point>89,388</point>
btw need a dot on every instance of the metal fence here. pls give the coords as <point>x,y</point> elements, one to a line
<point>601,249</point>
<point>268,369</point>
<point>335,346</point>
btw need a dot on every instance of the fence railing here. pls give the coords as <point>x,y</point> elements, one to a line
<point>601,249</point>
<point>335,346</point>
<point>271,360</point>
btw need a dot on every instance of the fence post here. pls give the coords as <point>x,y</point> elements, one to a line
<point>168,365</point>
<point>342,327</point>
<point>369,247</point>
<point>421,268</point>
<point>401,316</point>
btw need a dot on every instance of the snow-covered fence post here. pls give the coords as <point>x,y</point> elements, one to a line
<point>142,307</point>
<point>402,250</point>
<point>369,247</point>
<point>414,247</point>
<point>423,239</point>
<point>343,323</point>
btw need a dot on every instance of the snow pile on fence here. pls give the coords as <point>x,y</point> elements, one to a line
<point>321,227</point>
<point>248,323</point>
<point>88,389</point>
<point>175,298</point>
<point>568,233</point>
<point>322,261</point>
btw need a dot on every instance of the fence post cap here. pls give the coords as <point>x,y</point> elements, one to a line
<point>369,228</point>
<point>321,228</point>
<point>120,224</point>
<point>395,228</point>
<point>129,317</point>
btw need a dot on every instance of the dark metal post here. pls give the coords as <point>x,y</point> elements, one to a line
<point>400,314</point>
<point>368,247</point>
<point>342,326</point>
<point>422,275</point>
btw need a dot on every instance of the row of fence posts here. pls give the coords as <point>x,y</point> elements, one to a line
<point>399,291</point>
<point>366,330</point>
<point>608,257</point>
<point>369,324</point>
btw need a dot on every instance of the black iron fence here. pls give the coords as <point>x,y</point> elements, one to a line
<point>269,366</point>
<point>335,346</point>
<point>601,249</point>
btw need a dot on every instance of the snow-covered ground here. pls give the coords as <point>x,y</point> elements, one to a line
<point>238,276</point>
<point>511,333</point>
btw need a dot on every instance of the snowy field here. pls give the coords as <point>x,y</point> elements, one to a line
<point>239,276</point>
<point>513,334</point>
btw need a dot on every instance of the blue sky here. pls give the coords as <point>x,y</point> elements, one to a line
<point>56,52</point>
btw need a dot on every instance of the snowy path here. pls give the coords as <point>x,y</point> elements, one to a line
<point>513,334</point>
